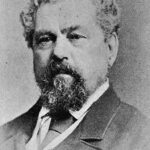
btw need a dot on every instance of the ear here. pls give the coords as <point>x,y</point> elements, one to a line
<point>113,45</point>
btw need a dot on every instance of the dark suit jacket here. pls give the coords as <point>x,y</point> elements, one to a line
<point>109,125</point>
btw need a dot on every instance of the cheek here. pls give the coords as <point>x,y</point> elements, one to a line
<point>96,68</point>
<point>39,64</point>
<point>91,60</point>
<point>92,63</point>
<point>41,58</point>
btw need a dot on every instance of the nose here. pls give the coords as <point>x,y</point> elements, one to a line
<point>61,48</point>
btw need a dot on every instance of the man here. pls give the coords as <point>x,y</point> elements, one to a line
<point>74,44</point>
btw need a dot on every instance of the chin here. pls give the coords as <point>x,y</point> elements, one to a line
<point>64,96</point>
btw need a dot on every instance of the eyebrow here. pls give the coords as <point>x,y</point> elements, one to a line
<point>70,29</point>
<point>47,32</point>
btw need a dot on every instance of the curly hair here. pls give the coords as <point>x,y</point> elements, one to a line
<point>107,13</point>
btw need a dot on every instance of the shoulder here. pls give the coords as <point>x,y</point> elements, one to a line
<point>127,114</point>
<point>129,117</point>
<point>130,128</point>
<point>23,124</point>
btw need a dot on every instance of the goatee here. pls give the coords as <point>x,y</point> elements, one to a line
<point>62,89</point>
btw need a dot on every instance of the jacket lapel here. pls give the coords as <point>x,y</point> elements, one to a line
<point>15,134</point>
<point>91,131</point>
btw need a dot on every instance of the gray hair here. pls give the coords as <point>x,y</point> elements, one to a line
<point>108,17</point>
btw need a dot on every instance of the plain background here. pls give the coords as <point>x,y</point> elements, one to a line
<point>130,74</point>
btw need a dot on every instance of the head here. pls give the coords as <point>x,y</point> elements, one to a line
<point>74,43</point>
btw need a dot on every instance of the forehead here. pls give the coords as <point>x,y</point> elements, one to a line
<point>66,13</point>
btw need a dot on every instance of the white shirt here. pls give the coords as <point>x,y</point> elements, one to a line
<point>79,115</point>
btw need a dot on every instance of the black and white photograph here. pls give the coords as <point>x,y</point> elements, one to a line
<point>75,75</point>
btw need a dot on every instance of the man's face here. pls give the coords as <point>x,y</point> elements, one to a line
<point>67,36</point>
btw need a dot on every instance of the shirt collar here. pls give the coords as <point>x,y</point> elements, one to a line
<point>93,98</point>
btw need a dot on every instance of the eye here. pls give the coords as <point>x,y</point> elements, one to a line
<point>75,36</point>
<point>45,40</point>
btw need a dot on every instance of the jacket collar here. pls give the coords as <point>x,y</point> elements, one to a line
<point>99,117</point>
<point>96,121</point>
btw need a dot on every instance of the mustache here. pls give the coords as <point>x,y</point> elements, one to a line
<point>55,67</point>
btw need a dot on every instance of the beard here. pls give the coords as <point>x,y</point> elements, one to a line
<point>62,89</point>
